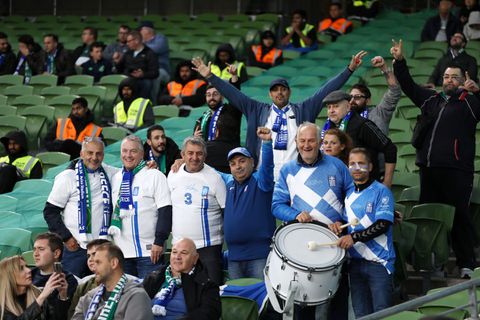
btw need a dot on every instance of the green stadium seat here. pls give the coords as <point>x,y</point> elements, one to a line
<point>53,172</point>
<point>208,17</point>
<point>282,71</point>
<point>403,240</point>
<point>254,71</point>
<point>95,95</point>
<point>52,158</point>
<point>237,18</point>
<point>41,81</point>
<point>10,219</point>
<point>409,197</point>
<point>62,105</point>
<point>8,203</point>
<point>6,110</point>
<point>263,80</point>
<point>398,125</point>
<point>36,224</point>
<point>270,17</point>
<point>305,81</point>
<point>18,90</point>
<point>22,102</point>
<point>290,55</point>
<point>447,303</point>
<point>14,241</point>
<point>10,123</point>
<point>33,186</point>
<point>406,315</point>
<point>196,113</point>
<point>318,71</point>
<point>177,123</point>
<point>164,112</point>
<point>8,80</point>
<point>39,119</point>
<point>50,92</point>
<point>400,139</point>
<point>302,63</point>
<point>234,308</point>
<point>439,45</point>
<point>402,180</point>
<point>3,99</point>
<point>323,54</point>
<point>77,81</point>
<point>28,257</point>
<point>439,211</point>
<point>113,134</point>
<point>111,82</point>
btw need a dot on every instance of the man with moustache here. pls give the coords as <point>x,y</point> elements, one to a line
<point>160,148</point>
<point>79,206</point>
<point>445,141</point>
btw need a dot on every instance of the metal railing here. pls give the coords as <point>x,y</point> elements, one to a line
<point>472,306</point>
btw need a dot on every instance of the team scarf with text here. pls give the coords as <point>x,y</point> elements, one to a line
<point>109,308</point>
<point>281,128</point>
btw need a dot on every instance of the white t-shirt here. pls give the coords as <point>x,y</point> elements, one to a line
<point>197,200</point>
<point>280,157</point>
<point>64,194</point>
<point>149,192</point>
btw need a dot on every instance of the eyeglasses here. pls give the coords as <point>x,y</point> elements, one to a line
<point>358,97</point>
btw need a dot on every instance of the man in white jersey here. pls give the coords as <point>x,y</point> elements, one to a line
<point>142,210</point>
<point>82,193</point>
<point>198,199</point>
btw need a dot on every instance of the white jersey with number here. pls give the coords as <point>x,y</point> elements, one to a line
<point>197,200</point>
<point>149,192</point>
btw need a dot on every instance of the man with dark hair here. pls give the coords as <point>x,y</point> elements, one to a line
<point>81,53</point>
<point>160,148</point>
<point>139,62</point>
<point>224,57</point>
<point>29,59</point>
<point>300,35</point>
<point>7,57</point>
<point>133,111</point>
<point>370,243</point>
<point>442,26</point>
<point>186,91</point>
<point>48,249</point>
<point>335,24</point>
<point>455,55</point>
<point>119,47</point>
<point>117,297</point>
<point>57,60</point>
<point>220,128</point>
<point>445,141</point>
<point>17,164</point>
<point>97,66</point>
<point>67,134</point>
<point>265,54</point>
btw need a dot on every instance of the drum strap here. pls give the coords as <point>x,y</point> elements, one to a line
<point>287,309</point>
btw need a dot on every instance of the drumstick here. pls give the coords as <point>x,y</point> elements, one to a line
<point>352,223</point>
<point>312,245</point>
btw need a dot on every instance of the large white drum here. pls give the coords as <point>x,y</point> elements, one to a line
<point>317,271</point>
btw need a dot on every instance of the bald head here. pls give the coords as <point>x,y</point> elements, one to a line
<point>184,256</point>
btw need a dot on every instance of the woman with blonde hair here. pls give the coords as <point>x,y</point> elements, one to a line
<point>337,143</point>
<point>21,300</point>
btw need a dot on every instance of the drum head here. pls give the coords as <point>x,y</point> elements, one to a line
<point>292,243</point>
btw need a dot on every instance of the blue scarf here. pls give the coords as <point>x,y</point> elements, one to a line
<point>126,199</point>
<point>166,293</point>
<point>212,128</point>
<point>2,58</point>
<point>161,162</point>
<point>342,126</point>
<point>280,127</point>
<point>85,202</point>
<point>364,113</point>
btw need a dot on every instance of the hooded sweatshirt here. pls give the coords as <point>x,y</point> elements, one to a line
<point>252,60</point>
<point>148,117</point>
<point>20,138</point>
<point>469,32</point>
<point>227,47</point>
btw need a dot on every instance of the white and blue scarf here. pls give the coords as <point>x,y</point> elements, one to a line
<point>84,208</point>
<point>281,128</point>
<point>108,311</point>
<point>166,293</point>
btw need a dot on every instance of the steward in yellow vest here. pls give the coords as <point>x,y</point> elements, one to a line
<point>17,164</point>
<point>265,55</point>
<point>131,112</point>
<point>300,35</point>
<point>226,55</point>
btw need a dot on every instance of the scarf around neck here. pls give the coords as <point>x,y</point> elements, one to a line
<point>280,127</point>
<point>110,306</point>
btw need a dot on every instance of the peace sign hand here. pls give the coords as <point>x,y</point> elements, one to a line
<point>396,50</point>
<point>356,60</point>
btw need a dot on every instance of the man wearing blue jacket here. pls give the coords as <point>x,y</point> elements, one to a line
<point>281,116</point>
<point>248,221</point>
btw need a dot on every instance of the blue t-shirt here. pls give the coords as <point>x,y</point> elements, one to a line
<point>370,205</point>
<point>176,308</point>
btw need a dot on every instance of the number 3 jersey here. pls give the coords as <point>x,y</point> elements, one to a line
<point>197,202</point>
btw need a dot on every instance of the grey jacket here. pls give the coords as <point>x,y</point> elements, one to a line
<point>383,112</point>
<point>134,304</point>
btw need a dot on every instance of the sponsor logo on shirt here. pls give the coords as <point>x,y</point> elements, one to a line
<point>332,182</point>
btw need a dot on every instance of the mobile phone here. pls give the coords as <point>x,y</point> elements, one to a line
<point>57,267</point>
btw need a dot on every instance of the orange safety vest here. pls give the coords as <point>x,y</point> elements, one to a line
<point>66,130</point>
<point>175,88</point>
<point>340,25</point>
<point>269,58</point>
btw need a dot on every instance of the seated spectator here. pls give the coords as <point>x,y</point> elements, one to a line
<point>48,249</point>
<point>7,57</point>
<point>186,91</point>
<point>29,58</point>
<point>300,35</point>
<point>335,25</point>
<point>442,26</point>
<point>472,28</point>
<point>363,10</point>
<point>133,111</point>
<point>67,135</point>
<point>139,62</point>
<point>81,54</point>
<point>119,47</point>
<point>97,66</point>
<point>265,55</point>
<point>183,289</point>
<point>117,297</point>
<point>468,7</point>
<point>160,148</point>
<point>337,143</point>
<point>56,59</point>
<point>455,54</point>
<point>220,129</point>
<point>17,164</point>
<point>20,299</point>
<point>225,56</point>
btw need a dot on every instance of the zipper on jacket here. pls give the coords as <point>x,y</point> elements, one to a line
<point>433,134</point>
<point>455,149</point>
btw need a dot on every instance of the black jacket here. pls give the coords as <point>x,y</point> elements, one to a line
<point>146,60</point>
<point>20,138</point>
<point>464,60</point>
<point>201,294</point>
<point>148,116</point>
<point>34,60</point>
<point>433,24</point>
<point>172,153</point>
<point>64,64</point>
<point>52,309</point>
<point>7,66</point>
<point>450,140</point>
<point>82,50</point>
<point>366,134</point>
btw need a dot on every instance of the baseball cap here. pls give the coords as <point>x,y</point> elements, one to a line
<point>279,81</point>
<point>239,150</point>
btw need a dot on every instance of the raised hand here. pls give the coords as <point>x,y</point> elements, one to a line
<point>396,49</point>
<point>264,133</point>
<point>356,60</point>
<point>378,62</point>
<point>469,84</point>
<point>204,70</point>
